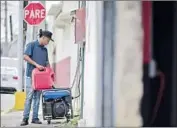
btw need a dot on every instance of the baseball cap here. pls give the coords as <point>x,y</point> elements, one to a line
<point>47,33</point>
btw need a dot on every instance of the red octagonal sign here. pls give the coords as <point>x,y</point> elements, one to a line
<point>34,13</point>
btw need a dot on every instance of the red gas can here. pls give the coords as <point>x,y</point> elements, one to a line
<point>42,80</point>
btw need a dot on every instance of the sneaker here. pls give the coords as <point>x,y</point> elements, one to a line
<point>36,121</point>
<point>24,122</point>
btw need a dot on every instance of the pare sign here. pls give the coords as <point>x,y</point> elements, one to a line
<point>34,13</point>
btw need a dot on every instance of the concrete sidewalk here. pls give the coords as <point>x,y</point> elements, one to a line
<point>10,118</point>
<point>13,119</point>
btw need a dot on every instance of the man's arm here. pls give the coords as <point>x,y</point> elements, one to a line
<point>28,53</point>
<point>47,62</point>
<point>29,60</point>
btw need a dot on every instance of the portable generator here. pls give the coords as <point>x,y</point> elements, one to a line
<point>57,104</point>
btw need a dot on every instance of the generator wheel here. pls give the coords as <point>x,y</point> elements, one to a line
<point>72,115</point>
<point>48,121</point>
<point>67,120</point>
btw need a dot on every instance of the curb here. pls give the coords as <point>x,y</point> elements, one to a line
<point>19,100</point>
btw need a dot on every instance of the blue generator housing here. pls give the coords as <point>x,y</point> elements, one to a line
<point>57,104</point>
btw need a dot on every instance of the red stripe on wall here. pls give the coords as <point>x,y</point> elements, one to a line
<point>62,73</point>
<point>146,19</point>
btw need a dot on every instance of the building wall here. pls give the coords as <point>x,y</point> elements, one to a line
<point>91,108</point>
<point>69,6</point>
<point>66,49</point>
<point>129,63</point>
<point>128,74</point>
<point>65,58</point>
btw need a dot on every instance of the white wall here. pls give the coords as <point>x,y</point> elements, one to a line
<point>90,112</point>
<point>65,46</point>
<point>128,77</point>
<point>128,73</point>
<point>50,27</point>
<point>64,40</point>
<point>69,6</point>
<point>58,33</point>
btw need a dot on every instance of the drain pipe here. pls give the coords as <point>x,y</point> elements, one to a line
<point>82,52</point>
<point>108,45</point>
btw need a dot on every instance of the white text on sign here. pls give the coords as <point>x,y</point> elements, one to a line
<point>35,13</point>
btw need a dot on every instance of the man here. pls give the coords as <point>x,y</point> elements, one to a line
<point>36,56</point>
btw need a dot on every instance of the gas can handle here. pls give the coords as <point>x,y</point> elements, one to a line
<point>43,70</point>
<point>53,77</point>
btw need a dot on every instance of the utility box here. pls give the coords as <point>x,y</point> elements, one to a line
<point>80,25</point>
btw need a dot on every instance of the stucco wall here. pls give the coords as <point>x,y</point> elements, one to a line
<point>128,74</point>
<point>65,47</point>
<point>64,41</point>
<point>69,6</point>
<point>90,108</point>
<point>65,58</point>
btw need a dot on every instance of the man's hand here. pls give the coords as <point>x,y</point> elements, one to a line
<point>40,67</point>
<point>48,65</point>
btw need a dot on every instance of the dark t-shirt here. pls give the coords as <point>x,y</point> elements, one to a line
<point>38,54</point>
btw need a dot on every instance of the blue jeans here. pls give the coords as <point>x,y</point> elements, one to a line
<point>31,95</point>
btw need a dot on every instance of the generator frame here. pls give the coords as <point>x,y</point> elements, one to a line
<point>49,116</point>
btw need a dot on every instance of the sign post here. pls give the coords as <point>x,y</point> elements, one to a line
<point>34,13</point>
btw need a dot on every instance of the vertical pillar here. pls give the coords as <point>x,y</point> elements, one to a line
<point>109,16</point>
<point>20,47</point>
<point>128,85</point>
<point>6,30</point>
